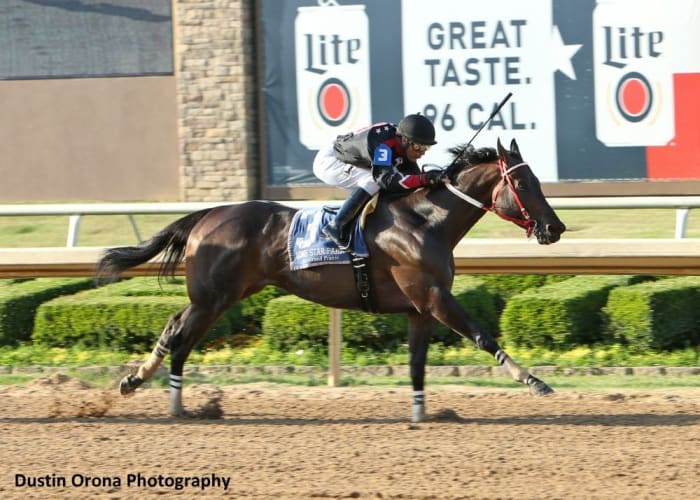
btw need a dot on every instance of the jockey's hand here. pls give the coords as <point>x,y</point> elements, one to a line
<point>434,178</point>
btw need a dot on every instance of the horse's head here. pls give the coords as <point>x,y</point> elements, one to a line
<point>518,197</point>
<point>511,190</point>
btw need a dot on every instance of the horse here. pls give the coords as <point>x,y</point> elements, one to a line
<point>233,251</point>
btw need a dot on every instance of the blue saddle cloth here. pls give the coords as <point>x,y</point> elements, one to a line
<point>308,247</point>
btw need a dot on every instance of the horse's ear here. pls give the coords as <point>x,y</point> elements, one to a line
<point>514,147</point>
<point>501,150</point>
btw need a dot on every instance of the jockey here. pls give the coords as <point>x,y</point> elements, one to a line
<point>381,156</point>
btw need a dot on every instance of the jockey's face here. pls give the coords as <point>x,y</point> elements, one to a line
<point>414,151</point>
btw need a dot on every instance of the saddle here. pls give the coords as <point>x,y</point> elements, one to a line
<point>364,213</point>
<point>308,247</point>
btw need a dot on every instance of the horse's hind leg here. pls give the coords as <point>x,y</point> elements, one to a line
<point>129,383</point>
<point>180,335</point>
<point>195,323</point>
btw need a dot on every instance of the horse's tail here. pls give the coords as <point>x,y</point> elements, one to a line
<point>171,240</point>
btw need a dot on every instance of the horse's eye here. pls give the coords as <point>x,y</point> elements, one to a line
<point>520,185</point>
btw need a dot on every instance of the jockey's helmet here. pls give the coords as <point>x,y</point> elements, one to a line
<point>417,128</point>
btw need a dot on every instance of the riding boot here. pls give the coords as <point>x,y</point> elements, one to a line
<point>336,229</point>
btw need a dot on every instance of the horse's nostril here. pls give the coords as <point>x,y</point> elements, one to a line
<point>555,228</point>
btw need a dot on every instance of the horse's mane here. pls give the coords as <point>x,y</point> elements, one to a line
<point>466,156</point>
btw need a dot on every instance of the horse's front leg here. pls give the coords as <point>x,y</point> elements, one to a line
<point>420,328</point>
<point>448,311</point>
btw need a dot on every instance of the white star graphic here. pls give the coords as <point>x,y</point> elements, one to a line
<point>562,54</point>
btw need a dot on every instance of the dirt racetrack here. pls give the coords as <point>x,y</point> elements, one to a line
<point>61,439</point>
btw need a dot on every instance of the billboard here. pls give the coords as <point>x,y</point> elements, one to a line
<point>604,90</point>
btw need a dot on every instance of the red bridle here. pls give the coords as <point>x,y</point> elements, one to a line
<point>526,221</point>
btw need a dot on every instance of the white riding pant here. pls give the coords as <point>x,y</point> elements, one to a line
<point>332,171</point>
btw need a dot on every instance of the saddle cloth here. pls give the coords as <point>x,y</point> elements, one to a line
<point>309,248</point>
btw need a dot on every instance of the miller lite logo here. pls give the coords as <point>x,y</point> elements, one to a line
<point>634,96</point>
<point>633,77</point>
<point>332,71</point>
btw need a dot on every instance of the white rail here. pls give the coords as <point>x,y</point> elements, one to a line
<point>682,205</point>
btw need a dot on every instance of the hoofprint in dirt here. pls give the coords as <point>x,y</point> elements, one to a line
<point>278,441</point>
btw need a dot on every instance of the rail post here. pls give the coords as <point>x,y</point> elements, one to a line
<point>681,221</point>
<point>73,228</point>
<point>334,345</point>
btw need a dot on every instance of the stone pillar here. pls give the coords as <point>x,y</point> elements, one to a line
<point>214,51</point>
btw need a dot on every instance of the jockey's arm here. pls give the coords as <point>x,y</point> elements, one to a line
<point>390,179</point>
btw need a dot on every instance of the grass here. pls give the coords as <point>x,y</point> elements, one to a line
<point>114,230</point>
<point>95,230</point>
<point>609,223</point>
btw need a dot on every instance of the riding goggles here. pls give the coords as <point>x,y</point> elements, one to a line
<point>420,147</point>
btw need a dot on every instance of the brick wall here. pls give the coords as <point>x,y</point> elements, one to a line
<point>215,73</point>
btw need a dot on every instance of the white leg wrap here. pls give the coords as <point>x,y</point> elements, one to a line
<point>418,408</point>
<point>516,371</point>
<point>147,369</point>
<point>418,413</point>
<point>176,408</point>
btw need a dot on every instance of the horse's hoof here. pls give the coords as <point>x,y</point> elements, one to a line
<point>180,413</point>
<point>537,387</point>
<point>128,384</point>
<point>418,415</point>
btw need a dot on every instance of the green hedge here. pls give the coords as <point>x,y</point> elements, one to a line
<point>551,313</point>
<point>660,315</point>
<point>19,300</point>
<point>559,315</point>
<point>128,315</point>
<point>143,287</point>
<point>253,307</point>
<point>504,286</point>
<point>482,305</point>
<point>292,323</point>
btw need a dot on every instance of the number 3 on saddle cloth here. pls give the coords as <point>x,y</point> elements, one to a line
<point>308,247</point>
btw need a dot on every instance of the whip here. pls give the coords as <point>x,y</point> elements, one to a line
<point>493,113</point>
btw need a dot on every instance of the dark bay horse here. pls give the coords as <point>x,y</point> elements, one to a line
<point>233,251</point>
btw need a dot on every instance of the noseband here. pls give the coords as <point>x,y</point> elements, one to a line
<point>506,178</point>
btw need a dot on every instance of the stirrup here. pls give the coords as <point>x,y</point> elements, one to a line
<point>329,230</point>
